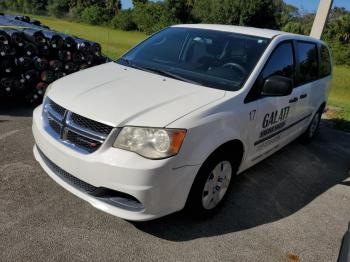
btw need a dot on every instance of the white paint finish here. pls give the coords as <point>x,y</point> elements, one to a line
<point>147,180</point>
<point>118,95</point>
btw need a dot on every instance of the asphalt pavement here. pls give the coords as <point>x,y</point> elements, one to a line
<point>293,206</point>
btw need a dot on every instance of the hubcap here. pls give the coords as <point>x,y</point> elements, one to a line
<point>314,124</point>
<point>216,185</point>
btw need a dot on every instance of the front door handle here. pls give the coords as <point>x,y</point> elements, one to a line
<point>303,96</point>
<point>295,99</point>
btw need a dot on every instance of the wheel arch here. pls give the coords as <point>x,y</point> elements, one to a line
<point>234,148</point>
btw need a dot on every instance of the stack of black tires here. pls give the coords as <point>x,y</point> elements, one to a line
<point>32,56</point>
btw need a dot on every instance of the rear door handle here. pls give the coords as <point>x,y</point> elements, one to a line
<point>303,96</point>
<point>295,99</point>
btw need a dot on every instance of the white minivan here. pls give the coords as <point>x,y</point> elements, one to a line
<point>170,123</point>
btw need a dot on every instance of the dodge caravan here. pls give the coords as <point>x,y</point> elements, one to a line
<point>169,124</point>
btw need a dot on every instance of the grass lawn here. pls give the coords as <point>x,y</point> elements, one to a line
<point>340,97</point>
<point>116,42</point>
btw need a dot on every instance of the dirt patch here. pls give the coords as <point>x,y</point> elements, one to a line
<point>293,258</point>
<point>331,112</point>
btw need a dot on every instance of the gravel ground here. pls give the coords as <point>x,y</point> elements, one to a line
<point>294,206</point>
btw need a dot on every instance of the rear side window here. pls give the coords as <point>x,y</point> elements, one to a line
<point>281,63</point>
<point>308,62</point>
<point>325,62</point>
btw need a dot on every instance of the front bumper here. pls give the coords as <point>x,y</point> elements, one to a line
<point>158,185</point>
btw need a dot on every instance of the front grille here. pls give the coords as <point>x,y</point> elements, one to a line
<point>55,126</point>
<point>56,108</point>
<point>82,141</point>
<point>78,132</point>
<point>68,178</point>
<point>91,124</point>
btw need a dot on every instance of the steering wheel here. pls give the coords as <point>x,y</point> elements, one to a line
<point>236,66</point>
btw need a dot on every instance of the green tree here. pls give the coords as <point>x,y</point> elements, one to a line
<point>124,21</point>
<point>95,15</point>
<point>35,6</point>
<point>58,8</point>
<point>224,12</point>
<point>293,27</point>
<point>258,13</point>
<point>336,13</point>
<point>113,6</point>
<point>300,25</point>
<point>337,35</point>
<point>338,29</point>
<point>285,13</point>
<point>87,3</point>
<point>136,2</point>
<point>151,17</point>
<point>28,6</point>
<point>12,4</point>
<point>181,9</point>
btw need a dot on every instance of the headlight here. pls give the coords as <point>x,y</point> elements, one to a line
<point>154,143</point>
<point>47,89</point>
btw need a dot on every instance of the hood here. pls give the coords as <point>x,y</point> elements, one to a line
<point>117,95</point>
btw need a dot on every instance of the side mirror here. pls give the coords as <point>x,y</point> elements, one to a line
<point>277,86</point>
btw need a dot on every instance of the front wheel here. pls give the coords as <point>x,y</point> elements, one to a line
<point>210,187</point>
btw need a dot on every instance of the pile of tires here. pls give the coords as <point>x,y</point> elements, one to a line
<point>32,56</point>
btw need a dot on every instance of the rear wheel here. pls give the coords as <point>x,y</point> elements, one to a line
<point>211,186</point>
<point>312,130</point>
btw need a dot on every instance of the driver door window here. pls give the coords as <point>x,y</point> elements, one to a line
<point>281,63</point>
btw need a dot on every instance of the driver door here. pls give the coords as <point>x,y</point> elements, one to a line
<point>274,116</point>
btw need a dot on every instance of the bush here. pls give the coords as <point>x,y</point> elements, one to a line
<point>28,6</point>
<point>293,27</point>
<point>340,53</point>
<point>151,17</point>
<point>258,13</point>
<point>123,20</point>
<point>75,13</point>
<point>337,35</point>
<point>58,8</point>
<point>95,15</point>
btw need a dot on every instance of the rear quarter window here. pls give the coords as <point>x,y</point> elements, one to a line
<point>325,63</point>
<point>308,62</point>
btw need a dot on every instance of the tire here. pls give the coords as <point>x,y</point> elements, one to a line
<point>211,186</point>
<point>312,129</point>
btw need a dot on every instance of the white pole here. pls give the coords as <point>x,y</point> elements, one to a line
<point>321,18</point>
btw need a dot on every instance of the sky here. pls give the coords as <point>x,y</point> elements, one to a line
<point>311,5</point>
<point>304,5</point>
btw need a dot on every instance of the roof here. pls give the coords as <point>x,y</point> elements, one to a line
<point>262,32</point>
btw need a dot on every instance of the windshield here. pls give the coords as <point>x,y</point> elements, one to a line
<point>215,59</point>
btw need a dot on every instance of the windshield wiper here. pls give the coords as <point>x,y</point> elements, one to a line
<point>130,63</point>
<point>159,71</point>
<point>169,74</point>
